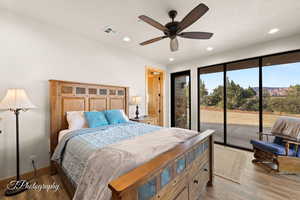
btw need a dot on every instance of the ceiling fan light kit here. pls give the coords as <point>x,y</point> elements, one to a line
<point>174,28</point>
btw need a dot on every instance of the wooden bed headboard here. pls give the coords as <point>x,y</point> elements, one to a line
<point>73,96</point>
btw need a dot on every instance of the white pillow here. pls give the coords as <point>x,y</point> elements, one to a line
<point>124,115</point>
<point>76,120</point>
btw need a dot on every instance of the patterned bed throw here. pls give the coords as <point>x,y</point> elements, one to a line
<point>75,148</point>
<point>114,160</point>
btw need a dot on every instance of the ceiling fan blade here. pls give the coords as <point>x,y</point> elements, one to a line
<point>174,44</point>
<point>152,40</point>
<point>192,17</point>
<point>196,35</point>
<point>154,23</point>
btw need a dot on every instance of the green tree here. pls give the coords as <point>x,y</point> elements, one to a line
<point>251,104</point>
<point>249,93</point>
<point>216,98</point>
<point>294,91</point>
<point>203,93</point>
<point>277,104</point>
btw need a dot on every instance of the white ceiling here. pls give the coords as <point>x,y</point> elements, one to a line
<point>236,23</point>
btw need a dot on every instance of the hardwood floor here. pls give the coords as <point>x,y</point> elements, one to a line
<point>256,184</point>
<point>43,194</point>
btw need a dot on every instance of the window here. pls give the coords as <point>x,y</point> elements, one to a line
<point>281,87</point>
<point>242,102</point>
<point>239,99</point>
<point>211,100</point>
<point>180,100</point>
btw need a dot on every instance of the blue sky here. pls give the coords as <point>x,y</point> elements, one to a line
<point>273,76</point>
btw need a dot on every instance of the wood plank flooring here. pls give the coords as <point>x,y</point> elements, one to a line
<point>256,184</point>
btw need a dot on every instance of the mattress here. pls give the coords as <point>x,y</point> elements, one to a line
<point>77,146</point>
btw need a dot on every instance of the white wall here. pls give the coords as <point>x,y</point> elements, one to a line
<point>281,45</point>
<point>31,53</point>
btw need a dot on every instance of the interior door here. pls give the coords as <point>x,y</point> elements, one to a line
<point>155,103</point>
<point>181,100</point>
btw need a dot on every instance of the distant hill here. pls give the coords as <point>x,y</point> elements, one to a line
<point>273,91</point>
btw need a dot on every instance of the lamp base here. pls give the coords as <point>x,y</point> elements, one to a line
<point>137,112</point>
<point>15,188</point>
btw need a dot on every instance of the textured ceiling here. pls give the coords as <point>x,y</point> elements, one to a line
<point>236,23</point>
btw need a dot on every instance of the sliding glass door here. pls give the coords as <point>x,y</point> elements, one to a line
<point>240,99</point>
<point>242,102</point>
<point>181,100</point>
<point>211,100</point>
<point>281,87</point>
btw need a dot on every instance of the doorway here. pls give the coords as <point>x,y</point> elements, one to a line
<point>155,94</point>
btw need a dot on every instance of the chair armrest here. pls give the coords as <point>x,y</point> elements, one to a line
<point>291,142</point>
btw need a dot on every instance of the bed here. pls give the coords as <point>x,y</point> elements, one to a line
<point>127,161</point>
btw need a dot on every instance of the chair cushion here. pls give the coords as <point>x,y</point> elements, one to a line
<point>272,147</point>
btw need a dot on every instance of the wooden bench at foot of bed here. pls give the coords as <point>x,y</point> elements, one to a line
<point>179,174</point>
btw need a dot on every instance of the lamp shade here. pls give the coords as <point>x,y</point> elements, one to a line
<point>16,99</point>
<point>136,100</point>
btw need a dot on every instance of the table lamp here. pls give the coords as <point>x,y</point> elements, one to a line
<point>136,100</point>
<point>16,100</point>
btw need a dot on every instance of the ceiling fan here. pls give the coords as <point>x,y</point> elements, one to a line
<point>174,28</point>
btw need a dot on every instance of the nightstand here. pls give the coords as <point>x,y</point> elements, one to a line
<point>146,120</point>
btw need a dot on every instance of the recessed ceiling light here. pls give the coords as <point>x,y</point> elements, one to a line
<point>209,48</point>
<point>273,31</point>
<point>171,59</point>
<point>126,39</point>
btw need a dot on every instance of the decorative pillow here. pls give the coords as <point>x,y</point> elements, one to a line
<point>76,120</point>
<point>95,119</point>
<point>116,116</point>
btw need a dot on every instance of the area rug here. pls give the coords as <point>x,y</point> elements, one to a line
<point>229,163</point>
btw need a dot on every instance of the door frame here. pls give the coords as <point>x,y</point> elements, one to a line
<point>173,76</point>
<point>149,69</point>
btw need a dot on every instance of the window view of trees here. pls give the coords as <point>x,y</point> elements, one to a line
<point>285,100</point>
<point>211,104</point>
<point>242,106</point>
<point>237,97</point>
<point>281,93</point>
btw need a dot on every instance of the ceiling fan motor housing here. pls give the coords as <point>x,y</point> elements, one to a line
<point>173,27</point>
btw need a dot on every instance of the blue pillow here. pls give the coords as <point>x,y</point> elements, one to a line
<point>116,116</point>
<point>95,119</point>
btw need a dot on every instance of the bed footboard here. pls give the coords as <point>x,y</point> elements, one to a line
<point>178,174</point>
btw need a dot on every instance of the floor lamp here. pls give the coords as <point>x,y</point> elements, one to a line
<point>16,100</point>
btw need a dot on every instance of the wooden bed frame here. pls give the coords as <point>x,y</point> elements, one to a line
<point>184,183</point>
